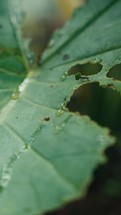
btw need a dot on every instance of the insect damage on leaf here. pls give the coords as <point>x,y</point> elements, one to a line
<point>62,157</point>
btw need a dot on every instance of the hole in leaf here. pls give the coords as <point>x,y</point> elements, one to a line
<point>103,105</point>
<point>115,72</point>
<point>47,119</point>
<point>85,69</point>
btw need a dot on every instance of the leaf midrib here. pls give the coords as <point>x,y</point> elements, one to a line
<point>87,57</point>
<point>80,30</point>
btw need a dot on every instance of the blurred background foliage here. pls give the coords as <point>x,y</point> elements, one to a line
<point>103,105</point>
<point>42,17</point>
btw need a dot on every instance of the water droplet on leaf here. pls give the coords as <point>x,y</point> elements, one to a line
<point>25,148</point>
<point>57,129</point>
<point>5,179</point>
<point>95,61</point>
<point>7,168</point>
<point>59,112</point>
<point>15,95</point>
<point>64,76</point>
<point>32,139</point>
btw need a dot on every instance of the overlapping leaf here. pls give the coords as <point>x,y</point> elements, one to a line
<point>13,64</point>
<point>48,154</point>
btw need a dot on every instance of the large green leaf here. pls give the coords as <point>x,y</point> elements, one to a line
<point>48,154</point>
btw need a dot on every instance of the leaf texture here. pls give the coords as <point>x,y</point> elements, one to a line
<point>48,154</point>
<point>13,64</point>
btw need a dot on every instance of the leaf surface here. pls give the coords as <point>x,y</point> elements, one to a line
<point>13,64</point>
<point>91,36</point>
<point>48,154</point>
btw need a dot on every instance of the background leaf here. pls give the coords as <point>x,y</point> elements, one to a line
<point>13,64</point>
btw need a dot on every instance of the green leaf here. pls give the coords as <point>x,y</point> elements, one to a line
<point>91,36</point>
<point>13,64</point>
<point>48,154</point>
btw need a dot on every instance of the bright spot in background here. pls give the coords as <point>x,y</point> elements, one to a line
<point>50,8</point>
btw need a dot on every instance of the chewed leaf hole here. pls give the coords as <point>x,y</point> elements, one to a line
<point>115,72</point>
<point>85,69</point>
<point>103,105</point>
<point>47,119</point>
